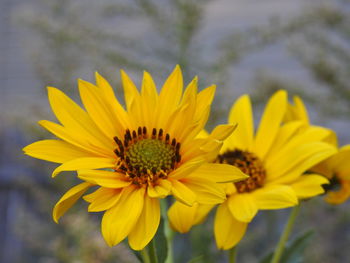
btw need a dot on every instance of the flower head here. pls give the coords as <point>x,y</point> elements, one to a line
<point>131,158</point>
<point>274,158</point>
<point>337,167</point>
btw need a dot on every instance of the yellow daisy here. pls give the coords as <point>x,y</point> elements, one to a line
<point>337,167</point>
<point>134,157</point>
<point>274,158</point>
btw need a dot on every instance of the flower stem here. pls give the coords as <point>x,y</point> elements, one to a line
<point>284,237</point>
<point>169,234</point>
<point>153,252</point>
<point>149,253</point>
<point>232,255</point>
<point>145,255</point>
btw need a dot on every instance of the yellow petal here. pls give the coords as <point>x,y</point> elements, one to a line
<point>182,116</point>
<point>149,90</point>
<point>69,199</point>
<point>301,109</point>
<point>220,173</point>
<point>228,231</point>
<point>204,99</point>
<point>54,151</point>
<point>73,138</point>
<point>181,217</point>
<point>76,119</point>
<point>270,122</point>
<point>241,114</point>
<point>286,133</point>
<point>201,120</point>
<point>97,108</point>
<point>339,197</point>
<point>201,213</point>
<point>182,193</point>
<point>104,178</point>
<point>297,161</point>
<point>170,96</point>
<point>118,113</point>
<point>203,134</point>
<point>207,191</point>
<point>242,207</point>
<point>202,111</point>
<point>84,163</point>
<point>190,92</point>
<point>205,142</point>
<point>160,190</point>
<point>130,91</point>
<point>187,168</point>
<point>118,221</point>
<point>310,135</point>
<point>297,111</point>
<point>149,99</point>
<point>275,197</point>
<point>221,132</point>
<point>324,168</point>
<point>340,163</point>
<point>194,148</point>
<point>102,199</point>
<point>147,225</point>
<point>309,185</point>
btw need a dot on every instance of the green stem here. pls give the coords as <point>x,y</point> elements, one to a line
<point>153,252</point>
<point>169,234</point>
<point>232,254</point>
<point>284,237</point>
<point>145,256</point>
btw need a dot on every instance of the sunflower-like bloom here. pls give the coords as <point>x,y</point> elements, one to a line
<point>337,167</point>
<point>274,158</point>
<point>136,156</point>
<point>337,170</point>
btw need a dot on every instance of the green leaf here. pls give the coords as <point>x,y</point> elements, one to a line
<point>293,253</point>
<point>161,243</point>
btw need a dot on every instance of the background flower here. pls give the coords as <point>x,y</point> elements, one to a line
<point>275,160</point>
<point>336,168</point>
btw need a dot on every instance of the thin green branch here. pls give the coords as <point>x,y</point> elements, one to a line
<point>284,237</point>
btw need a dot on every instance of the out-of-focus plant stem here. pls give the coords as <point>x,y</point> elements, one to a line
<point>145,255</point>
<point>232,254</point>
<point>169,234</point>
<point>152,252</point>
<point>284,237</point>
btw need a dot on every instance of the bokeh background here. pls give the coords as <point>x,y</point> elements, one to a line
<point>243,46</point>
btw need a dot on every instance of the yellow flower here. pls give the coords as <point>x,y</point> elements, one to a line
<point>337,167</point>
<point>274,158</point>
<point>136,156</point>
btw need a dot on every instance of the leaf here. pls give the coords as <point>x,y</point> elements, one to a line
<point>293,253</point>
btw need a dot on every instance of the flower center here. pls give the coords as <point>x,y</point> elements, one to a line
<point>249,164</point>
<point>146,158</point>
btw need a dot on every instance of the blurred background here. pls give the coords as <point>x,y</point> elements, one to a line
<point>243,46</point>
